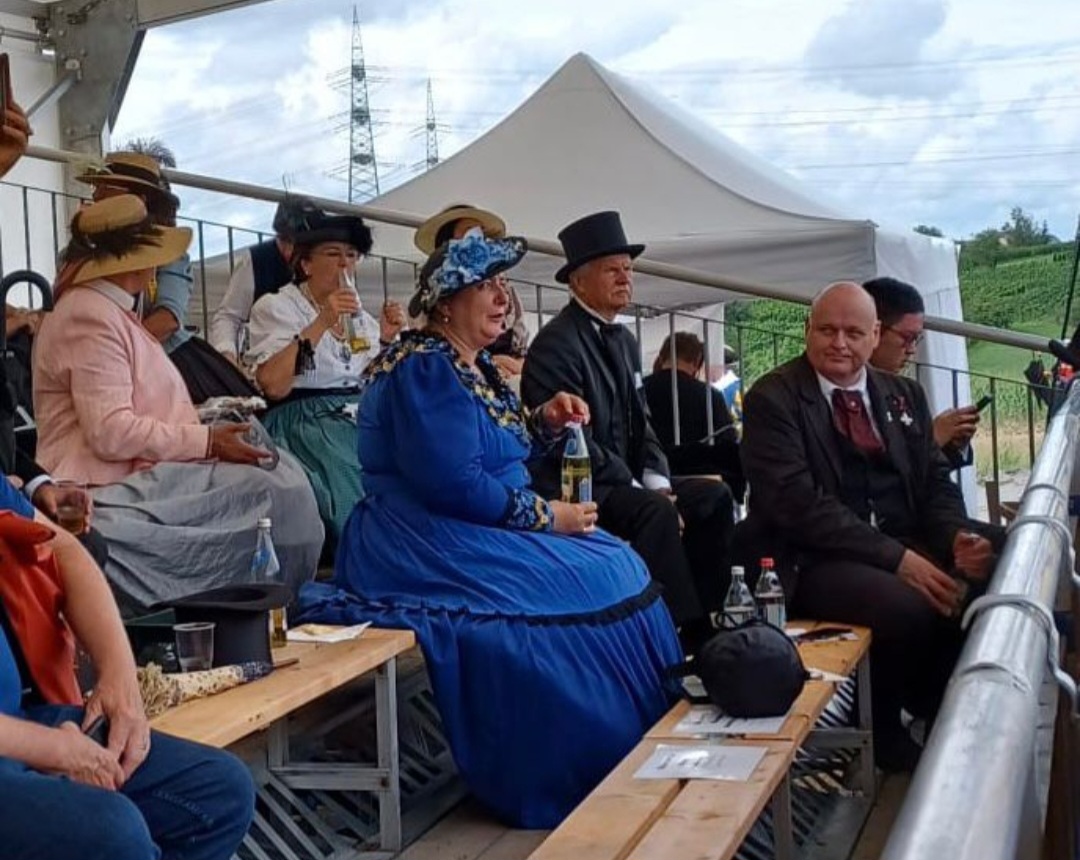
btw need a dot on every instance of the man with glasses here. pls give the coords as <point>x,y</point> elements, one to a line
<point>901,311</point>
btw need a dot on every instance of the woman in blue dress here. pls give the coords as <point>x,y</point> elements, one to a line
<point>545,639</point>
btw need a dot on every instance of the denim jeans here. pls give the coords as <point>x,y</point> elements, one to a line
<point>185,802</point>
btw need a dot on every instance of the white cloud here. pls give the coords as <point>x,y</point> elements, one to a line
<point>928,94</point>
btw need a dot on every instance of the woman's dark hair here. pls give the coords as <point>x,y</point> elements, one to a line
<point>894,299</point>
<point>688,347</point>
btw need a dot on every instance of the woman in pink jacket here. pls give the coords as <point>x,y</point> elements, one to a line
<point>177,501</point>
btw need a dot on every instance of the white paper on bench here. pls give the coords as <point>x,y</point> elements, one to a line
<point>325,632</point>
<point>710,720</point>
<point>716,761</point>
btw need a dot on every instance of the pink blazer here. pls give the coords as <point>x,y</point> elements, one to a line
<point>107,399</point>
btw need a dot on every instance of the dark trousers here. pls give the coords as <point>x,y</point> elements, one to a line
<point>692,569</point>
<point>914,648</point>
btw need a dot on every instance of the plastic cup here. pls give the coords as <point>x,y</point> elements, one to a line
<point>72,506</point>
<point>195,645</point>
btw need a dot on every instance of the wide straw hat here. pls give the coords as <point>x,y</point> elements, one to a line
<point>491,224</point>
<point>116,235</point>
<point>133,170</point>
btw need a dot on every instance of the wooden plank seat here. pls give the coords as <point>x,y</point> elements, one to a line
<point>638,819</point>
<point>262,709</point>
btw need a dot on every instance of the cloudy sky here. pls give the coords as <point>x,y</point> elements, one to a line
<point>906,111</point>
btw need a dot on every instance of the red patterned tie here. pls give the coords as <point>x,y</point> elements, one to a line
<point>852,420</point>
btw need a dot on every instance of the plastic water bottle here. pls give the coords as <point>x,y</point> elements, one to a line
<point>769,595</point>
<point>265,568</point>
<point>739,605</point>
<point>576,468</point>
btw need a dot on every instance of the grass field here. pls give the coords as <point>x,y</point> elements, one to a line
<point>1026,293</point>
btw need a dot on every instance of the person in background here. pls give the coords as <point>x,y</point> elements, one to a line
<point>176,501</point>
<point>205,372</point>
<point>262,269</point>
<point>901,313</point>
<point>584,350</point>
<point>730,385</point>
<point>306,366</point>
<point>852,497</point>
<point>453,222</point>
<point>696,453</point>
<point>546,642</point>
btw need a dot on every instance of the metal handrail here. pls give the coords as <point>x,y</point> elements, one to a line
<point>682,274</point>
<point>973,795</point>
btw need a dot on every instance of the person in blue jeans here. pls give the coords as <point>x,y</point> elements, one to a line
<point>138,794</point>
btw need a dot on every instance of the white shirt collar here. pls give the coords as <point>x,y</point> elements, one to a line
<point>827,387</point>
<point>599,320</point>
<point>111,291</point>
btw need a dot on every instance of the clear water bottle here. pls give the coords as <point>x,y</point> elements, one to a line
<point>576,468</point>
<point>769,595</point>
<point>739,604</point>
<point>265,568</point>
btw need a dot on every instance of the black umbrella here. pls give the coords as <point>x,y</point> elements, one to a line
<point>15,397</point>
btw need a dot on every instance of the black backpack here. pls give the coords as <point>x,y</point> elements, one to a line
<point>753,670</point>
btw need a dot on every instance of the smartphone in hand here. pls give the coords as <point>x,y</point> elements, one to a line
<point>98,731</point>
<point>6,92</point>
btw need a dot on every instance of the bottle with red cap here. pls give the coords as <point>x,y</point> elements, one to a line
<point>769,595</point>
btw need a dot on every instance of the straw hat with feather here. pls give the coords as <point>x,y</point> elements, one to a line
<point>132,170</point>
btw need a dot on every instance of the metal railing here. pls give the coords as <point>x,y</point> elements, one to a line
<point>974,796</point>
<point>34,230</point>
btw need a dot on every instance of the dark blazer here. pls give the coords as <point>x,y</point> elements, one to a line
<point>569,355</point>
<point>694,455</point>
<point>792,462</point>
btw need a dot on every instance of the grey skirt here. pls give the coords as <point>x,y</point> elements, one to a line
<point>181,528</point>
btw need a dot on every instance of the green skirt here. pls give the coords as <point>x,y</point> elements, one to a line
<point>318,432</point>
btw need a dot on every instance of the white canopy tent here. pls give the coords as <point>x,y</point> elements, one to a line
<point>589,139</point>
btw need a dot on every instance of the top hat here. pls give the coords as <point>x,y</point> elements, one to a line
<point>317,227</point>
<point>133,170</point>
<point>598,235</point>
<point>491,224</point>
<point>239,614</point>
<point>115,235</point>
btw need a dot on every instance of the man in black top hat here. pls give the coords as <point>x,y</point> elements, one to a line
<point>584,351</point>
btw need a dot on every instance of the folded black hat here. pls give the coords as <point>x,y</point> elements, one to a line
<point>753,670</point>
<point>240,617</point>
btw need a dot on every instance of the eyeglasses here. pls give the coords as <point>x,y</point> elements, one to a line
<point>337,255</point>
<point>909,340</point>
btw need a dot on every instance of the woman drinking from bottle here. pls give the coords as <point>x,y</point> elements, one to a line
<point>310,342</point>
<point>545,639</point>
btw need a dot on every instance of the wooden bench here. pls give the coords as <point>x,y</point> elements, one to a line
<point>228,718</point>
<point>643,819</point>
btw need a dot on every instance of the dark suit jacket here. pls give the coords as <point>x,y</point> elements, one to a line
<point>568,355</point>
<point>792,462</point>
<point>694,455</point>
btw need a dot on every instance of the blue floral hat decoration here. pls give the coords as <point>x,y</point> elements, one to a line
<point>460,263</point>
